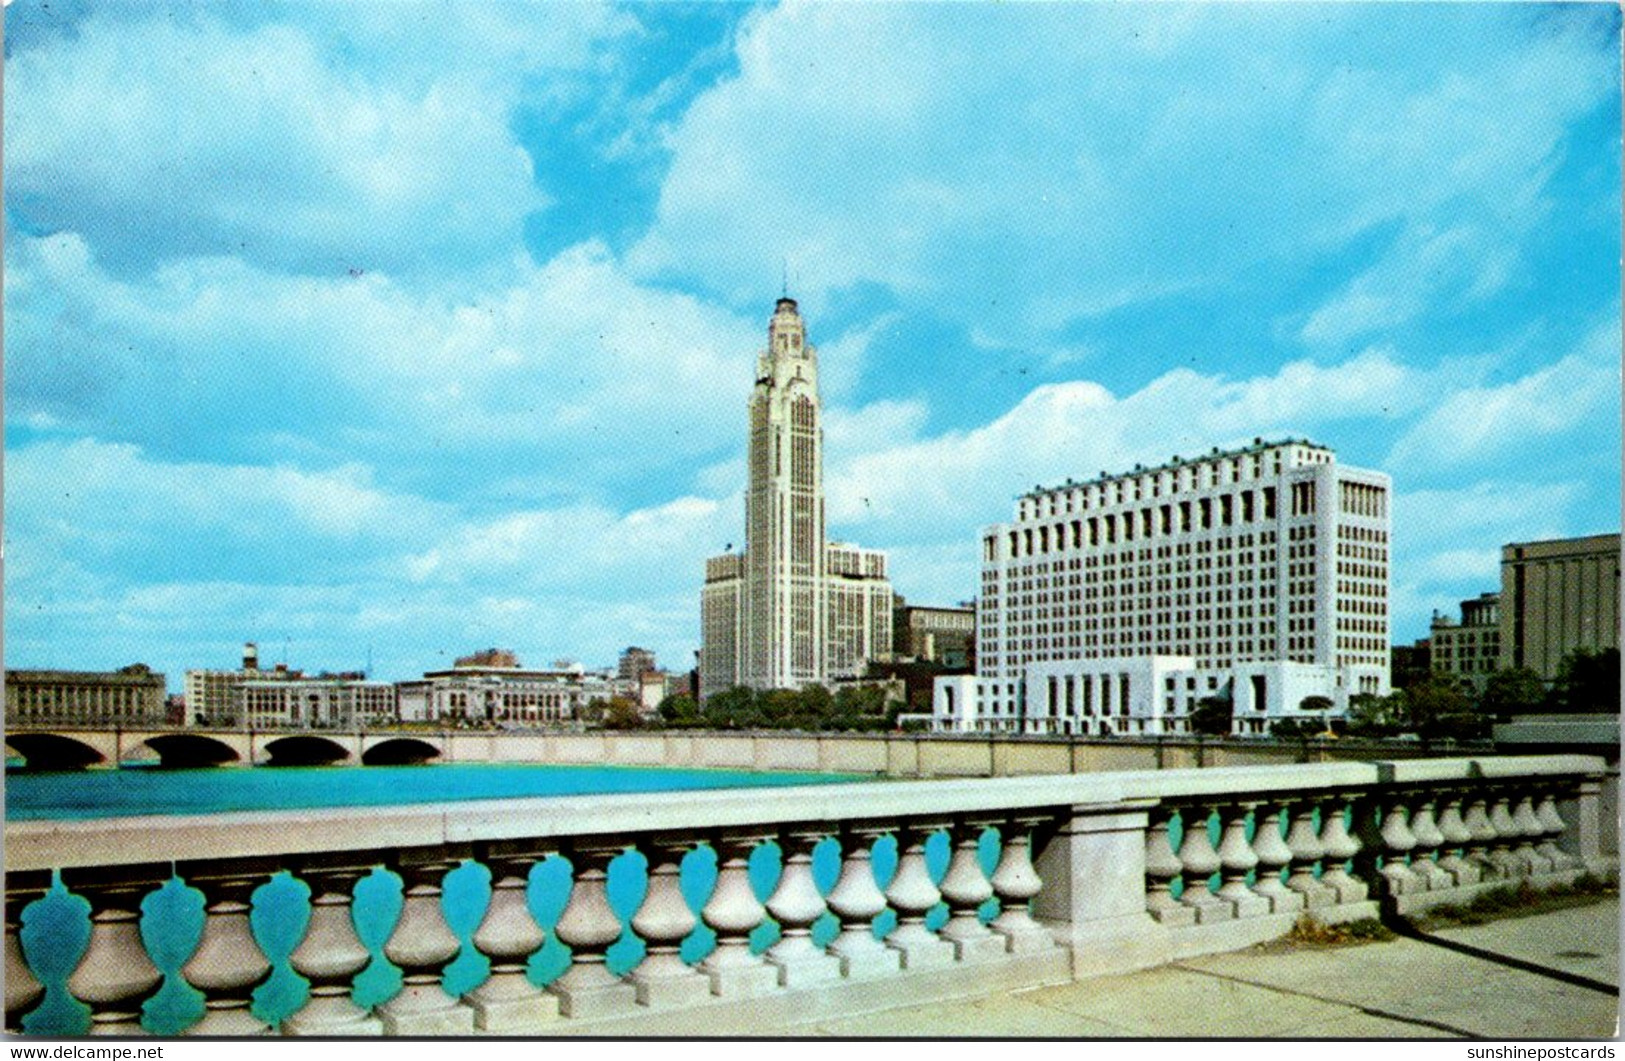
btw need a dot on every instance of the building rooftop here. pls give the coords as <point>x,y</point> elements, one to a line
<point>1258,446</point>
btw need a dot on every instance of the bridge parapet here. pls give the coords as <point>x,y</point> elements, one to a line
<point>1093,874</point>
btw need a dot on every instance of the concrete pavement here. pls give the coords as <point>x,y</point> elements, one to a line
<point>1401,989</point>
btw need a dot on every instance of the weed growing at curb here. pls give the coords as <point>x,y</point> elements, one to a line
<point>1315,933</point>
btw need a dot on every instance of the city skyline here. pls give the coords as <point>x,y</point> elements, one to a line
<point>407,330</point>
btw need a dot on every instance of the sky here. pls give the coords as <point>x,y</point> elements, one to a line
<point>384,332</point>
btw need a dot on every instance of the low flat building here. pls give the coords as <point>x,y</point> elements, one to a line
<point>346,701</point>
<point>500,696</point>
<point>133,695</point>
<point>1558,597</point>
<point>212,695</point>
<point>935,635</point>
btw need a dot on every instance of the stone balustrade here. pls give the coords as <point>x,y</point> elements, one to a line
<point>1036,880</point>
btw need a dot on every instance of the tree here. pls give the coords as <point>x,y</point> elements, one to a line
<point>680,710</point>
<point>1515,691</point>
<point>732,709</point>
<point>1439,708</point>
<point>1587,683</point>
<point>1212,715</point>
<point>622,713</point>
<point>1291,728</point>
<point>1371,715</point>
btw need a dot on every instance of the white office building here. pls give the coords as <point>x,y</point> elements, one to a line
<point>1258,575</point>
<point>794,609</point>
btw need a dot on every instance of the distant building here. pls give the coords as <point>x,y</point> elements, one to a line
<point>794,609</point>
<point>1258,574</point>
<point>133,695</point>
<point>935,635</point>
<point>635,663</point>
<point>211,695</point>
<point>1470,650</point>
<point>1410,664</point>
<point>343,701</point>
<point>1558,597</point>
<point>503,694</point>
<point>489,657</point>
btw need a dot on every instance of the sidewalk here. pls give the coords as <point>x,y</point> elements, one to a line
<point>1401,989</point>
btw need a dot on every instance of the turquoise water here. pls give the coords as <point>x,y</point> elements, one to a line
<point>55,929</point>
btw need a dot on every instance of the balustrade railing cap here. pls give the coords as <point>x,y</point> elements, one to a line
<point>35,845</point>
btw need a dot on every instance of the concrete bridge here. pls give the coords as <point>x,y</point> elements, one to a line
<point>65,748</point>
<point>881,754</point>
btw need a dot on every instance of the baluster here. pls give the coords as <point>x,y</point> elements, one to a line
<point>1552,828</point>
<point>796,904</point>
<point>23,989</point>
<point>966,887</point>
<point>1162,868</point>
<point>1506,834</point>
<point>1424,856</point>
<point>912,895</point>
<point>1397,842</point>
<point>1530,830</point>
<point>1236,860</point>
<point>1306,848</point>
<point>508,935</point>
<point>1273,855</point>
<point>733,912</point>
<point>330,955</point>
<point>228,963</point>
<point>1199,861</point>
<point>664,920</point>
<point>589,926</point>
<point>115,975</point>
<point>857,901</point>
<point>1483,834</point>
<point>1457,836</point>
<point>1015,882</point>
<point>1337,848</point>
<point>422,945</point>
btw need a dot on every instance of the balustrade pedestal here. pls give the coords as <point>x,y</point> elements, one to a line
<point>857,900</point>
<point>508,935</point>
<point>331,954</point>
<point>23,989</point>
<point>422,945</point>
<point>115,975</point>
<point>664,920</point>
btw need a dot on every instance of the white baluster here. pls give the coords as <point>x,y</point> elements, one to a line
<point>912,894</point>
<point>1200,861</point>
<point>1396,842</point>
<point>795,904</point>
<point>664,920</point>
<point>1273,854</point>
<point>733,912</point>
<point>1236,861</point>
<point>422,945</point>
<point>588,927</point>
<point>1015,882</point>
<point>1338,847</point>
<point>1307,850</point>
<point>1162,868</point>
<point>115,975</point>
<point>330,956</point>
<point>1456,837</point>
<point>23,988</point>
<point>1483,834</point>
<point>508,935</point>
<point>966,888</point>
<point>1429,838</point>
<point>228,964</point>
<point>1530,831</point>
<point>857,901</point>
<point>1506,835</point>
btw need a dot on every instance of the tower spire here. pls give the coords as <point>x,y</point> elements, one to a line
<point>784,269</point>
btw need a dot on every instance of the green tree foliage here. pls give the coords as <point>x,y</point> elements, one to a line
<point>1516,691</point>
<point>680,711</point>
<point>1587,683</point>
<point>622,713</point>
<point>1439,708</point>
<point>1212,715</point>
<point>1371,715</point>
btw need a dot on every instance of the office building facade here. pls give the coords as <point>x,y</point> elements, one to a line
<point>132,695</point>
<point>1468,650</point>
<point>1558,597</point>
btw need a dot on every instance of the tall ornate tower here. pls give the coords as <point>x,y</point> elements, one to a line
<point>794,609</point>
<point>784,512</point>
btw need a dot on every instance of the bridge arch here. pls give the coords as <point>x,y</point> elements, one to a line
<point>305,750</point>
<point>400,751</point>
<point>191,749</point>
<point>51,751</point>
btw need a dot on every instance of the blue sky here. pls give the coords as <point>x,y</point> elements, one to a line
<point>413,328</point>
